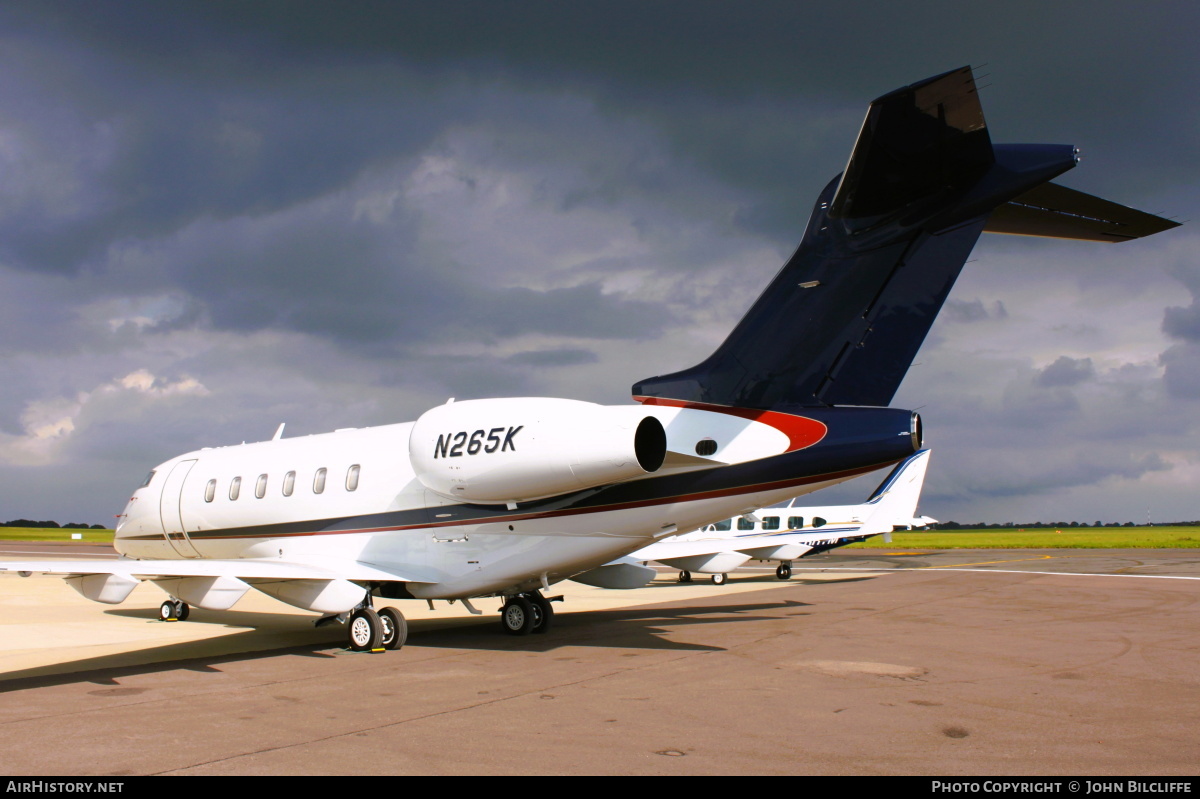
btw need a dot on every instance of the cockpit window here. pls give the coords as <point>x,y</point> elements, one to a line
<point>149,477</point>
<point>724,525</point>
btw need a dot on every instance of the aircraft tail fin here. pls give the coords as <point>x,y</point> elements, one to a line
<point>895,500</point>
<point>843,319</point>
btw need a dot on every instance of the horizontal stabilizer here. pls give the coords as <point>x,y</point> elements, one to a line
<point>1058,212</point>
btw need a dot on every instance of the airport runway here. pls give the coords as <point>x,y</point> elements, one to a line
<point>1080,662</point>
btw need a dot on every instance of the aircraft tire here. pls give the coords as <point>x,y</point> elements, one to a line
<point>685,577</point>
<point>183,611</point>
<point>517,616</point>
<point>166,611</point>
<point>543,613</point>
<point>720,579</point>
<point>784,572</point>
<point>395,629</point>
<point>364,630</point>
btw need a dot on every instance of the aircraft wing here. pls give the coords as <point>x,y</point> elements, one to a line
<point>239,568</point>
<point>213,584</point>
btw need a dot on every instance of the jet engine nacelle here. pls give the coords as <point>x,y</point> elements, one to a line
<point>521,449</point>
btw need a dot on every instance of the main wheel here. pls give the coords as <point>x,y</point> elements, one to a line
<point>182,612</point>
<point>720,579</point>
<point>166,611</point>
<point>364,630</point>
<point>517,616</point>
<point>685,577</point>
<point>542,612</point>
<point>784,571</point>
<point>395,629</point>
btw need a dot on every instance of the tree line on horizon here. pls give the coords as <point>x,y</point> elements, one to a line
<point>54,525</point>
<point>952,525</point>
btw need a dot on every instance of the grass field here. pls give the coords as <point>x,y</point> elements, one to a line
<point>1165,537</point>
<point>53,534</point>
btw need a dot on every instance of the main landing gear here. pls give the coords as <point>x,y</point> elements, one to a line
<point>370,631</point>
<point>685,576</point>
<point>784,571</point>
<point>174,610</point>
<point>719,579</point>
<point>526,613</point>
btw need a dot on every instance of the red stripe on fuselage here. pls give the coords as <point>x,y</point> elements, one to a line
<point>801,431</point>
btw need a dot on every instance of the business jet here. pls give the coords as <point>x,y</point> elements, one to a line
<point>506,497</point>
<point>788,532</point>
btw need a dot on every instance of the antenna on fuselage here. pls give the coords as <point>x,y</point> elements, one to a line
<point>279,432</point>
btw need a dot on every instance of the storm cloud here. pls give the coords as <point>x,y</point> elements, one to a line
<point>218,216</point>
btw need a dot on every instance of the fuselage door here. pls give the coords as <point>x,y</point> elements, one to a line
<point>168,506</point>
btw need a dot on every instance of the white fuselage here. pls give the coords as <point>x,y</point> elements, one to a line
<point>385,516</point>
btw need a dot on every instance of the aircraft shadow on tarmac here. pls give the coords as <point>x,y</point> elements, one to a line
<point>639,627</point>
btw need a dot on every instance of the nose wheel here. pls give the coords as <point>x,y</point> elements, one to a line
<point>720,579</point>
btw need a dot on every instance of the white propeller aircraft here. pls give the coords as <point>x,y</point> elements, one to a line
<point>788,532</point>
<point>505,497</point>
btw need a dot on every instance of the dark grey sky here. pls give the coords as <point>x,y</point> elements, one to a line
<point>218,216</point>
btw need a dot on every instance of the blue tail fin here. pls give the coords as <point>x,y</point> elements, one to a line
<point>842,321</point>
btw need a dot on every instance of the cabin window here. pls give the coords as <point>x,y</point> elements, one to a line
<point>352,477</point>
<point>745,524</point>
<point>289,483</point>
<point>818,521</point>
<point>795,522</point>
<point>260,488</point>
<point>235,488</point>
<point>149,477</point>
<point>770,522</point>
<point>706,447</point>
<point>210,491</point>
<point>724,525</point>
<point>319,481</point>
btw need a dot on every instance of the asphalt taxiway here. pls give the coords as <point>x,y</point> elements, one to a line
<point>865,662</point>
